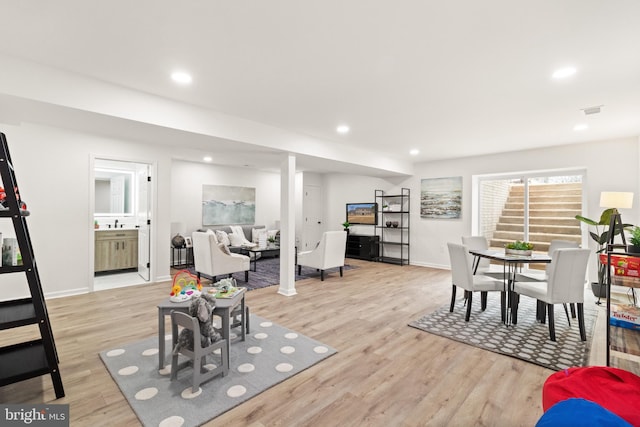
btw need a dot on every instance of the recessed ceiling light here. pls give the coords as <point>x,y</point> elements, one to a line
<point>342,129</point>
<point>181,77</point>
<point>581,126</point>
<point>414,152</point>
<point>563,73</point>
<point>207,158</point>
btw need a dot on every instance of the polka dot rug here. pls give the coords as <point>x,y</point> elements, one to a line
<point>528,340</point>
<point>270,355</point>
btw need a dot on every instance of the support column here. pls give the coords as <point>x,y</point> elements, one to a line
<point>287,226</point>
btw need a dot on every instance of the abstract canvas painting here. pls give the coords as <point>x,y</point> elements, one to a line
<point>441,197</point>
<point>224,204</point>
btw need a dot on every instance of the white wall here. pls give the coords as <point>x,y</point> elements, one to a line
<point>610,165</point>
<point>341,189</point>
<point>186,187</point>
<point>53,171</point>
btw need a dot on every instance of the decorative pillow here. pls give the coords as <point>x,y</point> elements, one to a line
<point>223,237</point>
<point>236,240</point>
<point>256,233</point>
<point>272,233</point>
<point>211,234</point>
<point>224,248</point>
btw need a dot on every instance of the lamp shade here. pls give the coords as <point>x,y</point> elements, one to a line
<point>616,199</point>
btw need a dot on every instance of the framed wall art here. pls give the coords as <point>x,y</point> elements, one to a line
<point>441,198</point>
<point>224,205</point>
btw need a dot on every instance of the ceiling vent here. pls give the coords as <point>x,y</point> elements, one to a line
<point>592,110</point>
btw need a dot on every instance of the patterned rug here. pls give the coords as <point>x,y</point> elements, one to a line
<point>528,340</point>
<point>270,355</point>
<point>268,273</point>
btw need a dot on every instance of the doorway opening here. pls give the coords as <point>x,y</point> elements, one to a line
<point>122,223</point>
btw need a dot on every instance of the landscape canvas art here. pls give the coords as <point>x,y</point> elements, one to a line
<point>441,197</point>
<point>223,204</point>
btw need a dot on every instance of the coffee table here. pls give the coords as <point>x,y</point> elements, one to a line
<point>224,307</point>
<point>253,252</point>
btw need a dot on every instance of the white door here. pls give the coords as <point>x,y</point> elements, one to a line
<point>117,194</point>
<point>144,220</point>
<point>312,211</point>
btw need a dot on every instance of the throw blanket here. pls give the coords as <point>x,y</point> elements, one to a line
<point>240,237</point>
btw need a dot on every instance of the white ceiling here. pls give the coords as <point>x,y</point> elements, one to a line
<point>451,78</point>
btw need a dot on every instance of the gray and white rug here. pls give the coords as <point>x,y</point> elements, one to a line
<point>528,340</point>
<point>270,355</point>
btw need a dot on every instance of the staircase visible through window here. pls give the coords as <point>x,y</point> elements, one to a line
<point>536,209</point>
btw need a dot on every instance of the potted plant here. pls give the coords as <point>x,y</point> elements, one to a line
<point>634,247</point>
<point>601,237</point>
<point>346,226</point>
<point>518,248</point>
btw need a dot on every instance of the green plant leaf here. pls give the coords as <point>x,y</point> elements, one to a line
<point>586,220</point>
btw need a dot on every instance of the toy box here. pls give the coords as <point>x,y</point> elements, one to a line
<point>625,316</point>
<point>623,265</point>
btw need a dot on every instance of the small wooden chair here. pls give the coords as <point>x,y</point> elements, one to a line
<point>197,355</point>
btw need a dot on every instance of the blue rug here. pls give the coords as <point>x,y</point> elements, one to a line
<point>268,274</point>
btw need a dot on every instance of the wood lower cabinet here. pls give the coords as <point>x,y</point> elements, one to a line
<point>115,250</point>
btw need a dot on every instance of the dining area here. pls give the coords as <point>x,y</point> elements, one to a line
<point>559,280</point>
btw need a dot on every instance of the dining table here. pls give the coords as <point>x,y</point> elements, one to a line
<point>512,264</point>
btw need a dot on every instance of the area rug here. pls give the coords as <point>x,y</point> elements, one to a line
<point>270,355</point>
<point>268,273</point>
<point>528,340</point>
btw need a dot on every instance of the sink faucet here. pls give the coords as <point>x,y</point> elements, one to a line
<point>116,226</point>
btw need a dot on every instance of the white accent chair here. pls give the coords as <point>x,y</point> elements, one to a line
<point>462,276</point>
<point>565,284</point>
<point>485,268</point>
<point>210,260</point>
<point>329,253</point>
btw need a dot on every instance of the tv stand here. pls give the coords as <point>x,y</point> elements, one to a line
<point>363,247</point>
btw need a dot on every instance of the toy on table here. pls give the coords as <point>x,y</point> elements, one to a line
<point>225,288</point>
<point>185,286</point>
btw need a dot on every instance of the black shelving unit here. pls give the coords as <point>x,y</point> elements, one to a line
<point>34,358</point>
<point>394,238</point>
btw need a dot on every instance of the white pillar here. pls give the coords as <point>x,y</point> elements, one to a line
<point>288,226</point>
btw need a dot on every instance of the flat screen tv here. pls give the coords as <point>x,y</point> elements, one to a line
<point>362,213</point>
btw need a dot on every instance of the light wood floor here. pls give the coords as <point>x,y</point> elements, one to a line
<point>384,374</point>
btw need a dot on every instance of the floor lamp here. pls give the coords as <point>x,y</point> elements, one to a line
<point>616,200</point>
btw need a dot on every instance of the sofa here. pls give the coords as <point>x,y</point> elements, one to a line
<point>246,229</point>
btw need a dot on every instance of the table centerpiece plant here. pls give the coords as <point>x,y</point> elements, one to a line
<point>519,248</point>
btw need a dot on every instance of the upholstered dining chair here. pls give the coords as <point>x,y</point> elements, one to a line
<point>541,276</point>
<point>485,268</point>
<point>565,284</point>
<point>462,276</point>
<point>328,254</point>
<point>210,259</point>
